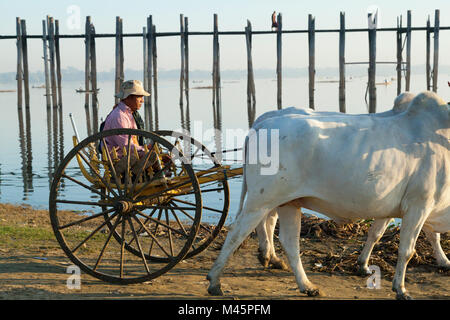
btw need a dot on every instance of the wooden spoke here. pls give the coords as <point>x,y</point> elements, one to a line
<point>145,222</point>
<point>122,248</point>
<point>154,239</point>
<point>178,220</point>
<point>141,169</point>
<point>169,231</point>
<point>157,194</point>
<point>180,224</point>
<point>101,214</point>
<point>193,155</point>
<point>113,229</point>
<point>95,231</point>
<point>174,206</point>
<point>193,204</point>
<point>160,223</point>
<point>154,232</point>
<point>138,243</point>
<point>111,165</point>
<point>84,203</point>
<point>86,186</point>
<point>107,186</point>
<point>161,207</point>
<point>127,171</point>
<point>210,190</point>
<point>157,176</point>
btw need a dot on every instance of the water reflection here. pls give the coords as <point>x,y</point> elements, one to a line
<point>217,115</point>
<point>49,145</point>
<point>26,154</point>
<point>55,140</point>
<point>185,118</point>
<point>88,120</point>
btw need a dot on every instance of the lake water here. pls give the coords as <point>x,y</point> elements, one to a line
<point>34,141</point>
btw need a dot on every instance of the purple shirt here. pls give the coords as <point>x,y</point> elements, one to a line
<point>121,117</point>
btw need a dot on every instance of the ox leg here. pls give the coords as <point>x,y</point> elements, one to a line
<point>265,231</point>
<point>374,235</point>
<point>241,229</point>
<point>435,241</point>
<point>264,241</point>
<point>412,223</point>
<point>290,224</point>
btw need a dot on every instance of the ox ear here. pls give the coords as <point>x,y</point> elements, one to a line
<point>402,102</point>
<point>425,102</point>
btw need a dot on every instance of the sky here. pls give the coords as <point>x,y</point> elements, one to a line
<point>232,16</point>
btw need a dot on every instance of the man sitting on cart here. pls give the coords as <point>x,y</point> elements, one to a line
<point>125,115</point>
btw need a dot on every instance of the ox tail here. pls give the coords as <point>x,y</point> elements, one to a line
<point>243,188</point>
<point>244,180</point>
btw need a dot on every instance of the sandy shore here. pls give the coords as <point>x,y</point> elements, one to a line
<point>37,268</point>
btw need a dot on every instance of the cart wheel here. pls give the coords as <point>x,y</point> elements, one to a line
<point>131,206</point>
<point>215,194</point>
<point>215,200</point>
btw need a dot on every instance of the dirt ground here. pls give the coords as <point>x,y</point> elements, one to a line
<point>37,268</point>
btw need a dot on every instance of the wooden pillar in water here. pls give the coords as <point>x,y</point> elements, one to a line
<point>45,57</point>
<point>186,72</point>
<point>19,63</point>
<point>87,71</point>
<point>218,81</point>
<point>372,62</point>
<point>25,63</point>
<point>51,46</point>
<point>399,55</point>
<point>93,69</point>
<point>216,84</point>
<point>155,80</point>
<point>436,50</point>
<point>342,64</point>
<point>214,73</point>
<point>216,90</point>
<point>279,63</point>
<point>122,58</point>
<point>408,52</point>
<point>182,70</point>
<point>87,65</point>
<point>144,76</point>
<point>58,63</point>
<point>312,58</point>
<point>251,103</point>
<point>150,36</point>
<point>428,55</point>
<point>117,61</point>
<point>60,156</point>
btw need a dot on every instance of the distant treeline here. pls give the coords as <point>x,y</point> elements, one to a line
<point>73,74</point>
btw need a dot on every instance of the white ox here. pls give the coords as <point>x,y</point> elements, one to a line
<point>265,229</point>
<point>351,168</point>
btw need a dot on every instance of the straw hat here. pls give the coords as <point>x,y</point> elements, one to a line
<point>131,87</point>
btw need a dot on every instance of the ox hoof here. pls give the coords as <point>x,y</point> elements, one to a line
<point>403,296</point>
<point>264,260</point>
<point>279,264</point>
<point>215,290</point>
<point>313,292</point>
<point>363,271</point>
